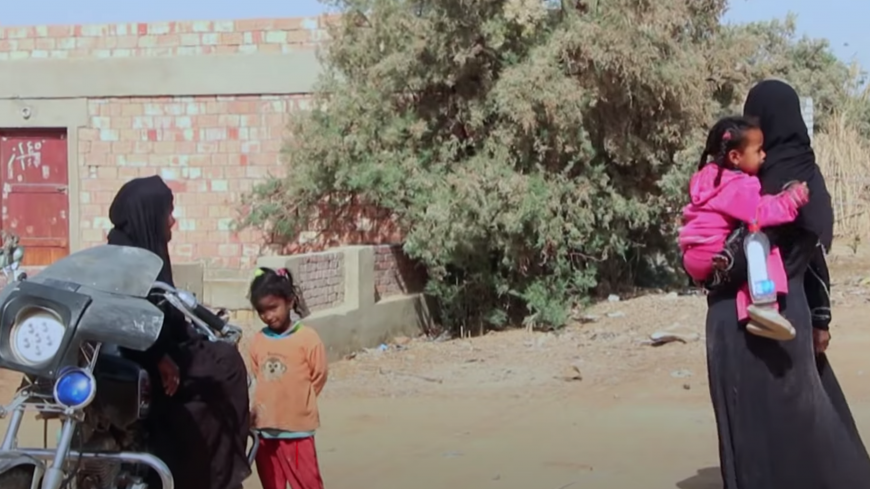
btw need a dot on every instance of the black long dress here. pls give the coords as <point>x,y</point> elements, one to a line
<point>202,431</point>
<point>782,418</point>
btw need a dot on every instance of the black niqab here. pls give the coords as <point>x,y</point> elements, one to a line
<point>776,106</point>
<point>140,214</point>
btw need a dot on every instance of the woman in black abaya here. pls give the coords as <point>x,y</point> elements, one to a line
<point>782,418</point>
<point>199,425</point>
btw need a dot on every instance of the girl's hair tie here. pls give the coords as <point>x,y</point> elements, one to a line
<point>282,272</point>
<point>727,135</point>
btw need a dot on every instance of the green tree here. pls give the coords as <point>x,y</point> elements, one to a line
<point>773,49</point>
<point>530,153</point>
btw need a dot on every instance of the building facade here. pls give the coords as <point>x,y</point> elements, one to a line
<point>203,104</point>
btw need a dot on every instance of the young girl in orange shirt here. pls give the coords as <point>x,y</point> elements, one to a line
<point>289,366</point>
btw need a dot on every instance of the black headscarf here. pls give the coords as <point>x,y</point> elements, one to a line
<point>790,157</point>
<point>139,214</point>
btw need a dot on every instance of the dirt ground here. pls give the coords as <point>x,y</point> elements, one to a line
<point>595,406</point>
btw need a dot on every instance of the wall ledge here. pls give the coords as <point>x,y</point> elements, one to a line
<point>290,73</point>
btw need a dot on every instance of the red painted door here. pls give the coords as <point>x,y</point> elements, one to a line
<point>35,182</point>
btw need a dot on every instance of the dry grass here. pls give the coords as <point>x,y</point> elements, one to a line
<point>844,157</point>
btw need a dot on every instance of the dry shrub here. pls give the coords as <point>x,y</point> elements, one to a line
<point>842,153</point>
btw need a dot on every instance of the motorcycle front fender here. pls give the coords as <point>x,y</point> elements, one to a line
<point>10,461</point>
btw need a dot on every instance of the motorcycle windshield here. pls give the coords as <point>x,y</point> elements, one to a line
<point>107,268</point>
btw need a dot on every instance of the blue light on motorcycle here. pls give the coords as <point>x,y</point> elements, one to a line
<point>75,388</point>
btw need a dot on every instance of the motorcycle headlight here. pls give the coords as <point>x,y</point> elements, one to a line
<point>36,335</point>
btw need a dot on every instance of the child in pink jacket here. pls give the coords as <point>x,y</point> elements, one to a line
<point>725,194</point>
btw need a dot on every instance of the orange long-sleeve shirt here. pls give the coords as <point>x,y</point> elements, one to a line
<point>290,372</point>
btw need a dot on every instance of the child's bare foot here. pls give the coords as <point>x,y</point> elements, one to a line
<point>767,322</point>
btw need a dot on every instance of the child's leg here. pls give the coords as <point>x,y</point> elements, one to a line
<point>270,466</point>
<point>765,319</point>
<point>304,470</point>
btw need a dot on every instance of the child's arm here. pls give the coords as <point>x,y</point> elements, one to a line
<point>742,200</point>
<point>255,371</point>
<point>318,364</point>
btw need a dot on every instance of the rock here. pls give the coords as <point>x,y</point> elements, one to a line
<point>672,296</point>
<point>571,374</point>
<point>681,374</point>
<point>664,337</point>
<point>687,387</point>
<point>613,298</point>
<point>616,314</point>
<point>604,335</point>
<point>589,318</point>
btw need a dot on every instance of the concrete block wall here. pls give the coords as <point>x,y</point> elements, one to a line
<point>321,275</point>
<point>361,318</point>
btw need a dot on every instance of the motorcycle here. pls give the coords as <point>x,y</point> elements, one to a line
<point>64,329</point>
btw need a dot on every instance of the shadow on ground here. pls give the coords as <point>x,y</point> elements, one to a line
<point>708,478</point>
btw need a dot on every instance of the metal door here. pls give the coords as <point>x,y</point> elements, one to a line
<point>35,182</point>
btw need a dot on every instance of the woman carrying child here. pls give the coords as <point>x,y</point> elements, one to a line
<point>726,196</point>
<point>288,362</point>
<point>781,416</point>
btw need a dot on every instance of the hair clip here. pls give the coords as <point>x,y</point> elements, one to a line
<point>727,135</point>
<point>258,272</point>
<point>282,272</point>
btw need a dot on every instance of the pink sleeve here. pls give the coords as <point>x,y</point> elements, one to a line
<point>741,199</point>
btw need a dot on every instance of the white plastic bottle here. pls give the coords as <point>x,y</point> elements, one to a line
<point>762,290</point>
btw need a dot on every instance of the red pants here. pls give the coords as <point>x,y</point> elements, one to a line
<point>294,462</point>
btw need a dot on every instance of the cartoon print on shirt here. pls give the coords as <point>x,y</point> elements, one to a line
<point>273,369</point>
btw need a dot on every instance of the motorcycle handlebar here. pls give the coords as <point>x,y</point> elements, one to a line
<point>208,317</point>
<point>212,325</point>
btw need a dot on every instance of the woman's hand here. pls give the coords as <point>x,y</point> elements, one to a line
<point>169,375</point>
<point>821,340</point>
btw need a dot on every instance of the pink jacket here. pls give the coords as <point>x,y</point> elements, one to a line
<point>715,211</point>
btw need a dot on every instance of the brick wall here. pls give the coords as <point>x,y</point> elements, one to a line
<point>160,38</point>
<point>395,273</point>
<point>321,276</point>
<point>209,149</point>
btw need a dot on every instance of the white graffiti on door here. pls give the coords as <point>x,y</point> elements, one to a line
<point>26,154</point>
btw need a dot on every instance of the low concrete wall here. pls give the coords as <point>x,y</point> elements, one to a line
<point>359,296</point>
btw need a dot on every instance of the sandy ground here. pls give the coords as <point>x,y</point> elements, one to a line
<point>592,407</point>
